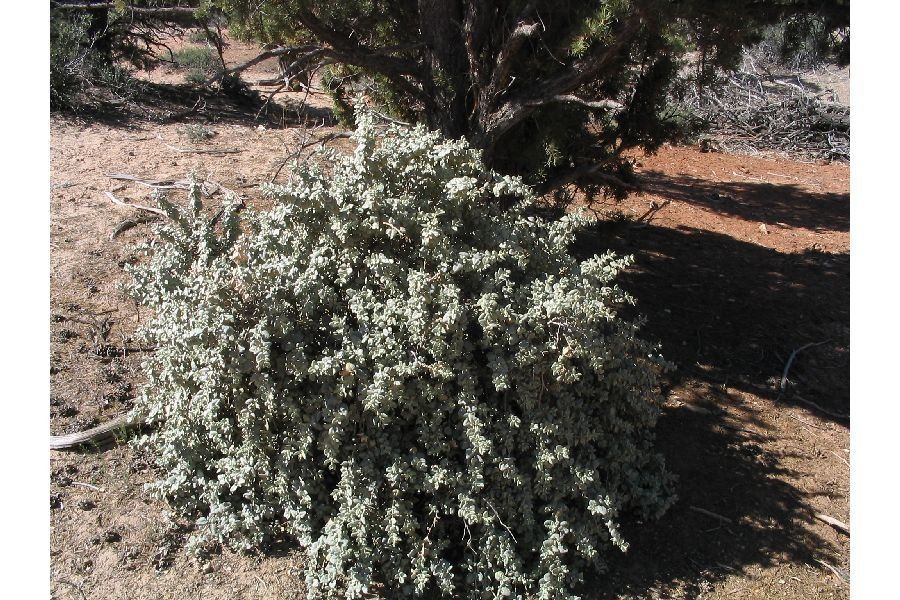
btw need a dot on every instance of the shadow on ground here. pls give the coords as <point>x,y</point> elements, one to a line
<point>685,551</point>
<point>729,314</point>
<point>755,201</point>
<point>169,103</point>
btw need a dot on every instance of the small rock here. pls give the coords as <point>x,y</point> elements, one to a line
<point>763,228</point>
<point>207,567</point>
<point>112,536</point>
<point>68,411</point>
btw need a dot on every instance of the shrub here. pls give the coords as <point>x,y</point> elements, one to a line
<point>199,58</point>
<point>78,70</point>
<point>197,132</point>
<point>69,60</point>
<point>394,369</point>
<point>198,36</point>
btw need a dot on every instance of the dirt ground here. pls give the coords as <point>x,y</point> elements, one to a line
<point>740,261</point>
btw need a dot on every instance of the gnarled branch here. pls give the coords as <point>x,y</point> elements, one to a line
<point>520,106</point>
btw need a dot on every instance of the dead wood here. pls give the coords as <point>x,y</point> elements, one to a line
<point>753,112</point>
<point>207,188</point>
<point>130,223</point>
<point>136,206</point>
<point>710,513</point>
<point>97,436</point>
<point>204,150</point>
<point>839,525</point>
<point>790,361</point>
<point>821,409</point>
<point>837,572</point>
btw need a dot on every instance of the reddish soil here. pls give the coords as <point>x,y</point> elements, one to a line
<point>743,260</point>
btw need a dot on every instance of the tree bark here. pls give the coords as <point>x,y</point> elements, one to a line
<point>445,64</point>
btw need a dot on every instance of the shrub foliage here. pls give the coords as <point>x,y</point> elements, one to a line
<point>392,368</point>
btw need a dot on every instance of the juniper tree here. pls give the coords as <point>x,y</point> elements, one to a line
<point>555,91</point>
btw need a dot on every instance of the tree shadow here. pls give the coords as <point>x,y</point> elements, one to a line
<point>170,103</point>
<point>755,201</point>
<point>729,314</point>
<point>730,475</point>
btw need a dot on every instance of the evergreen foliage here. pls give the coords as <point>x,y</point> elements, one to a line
<point>395,369</point>
<point>77,66</point>
<point>551,91</point>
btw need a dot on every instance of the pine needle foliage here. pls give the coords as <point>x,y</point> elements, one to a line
<point>399,373</point>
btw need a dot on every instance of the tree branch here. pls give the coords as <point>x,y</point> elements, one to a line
<point>309,51</point>
<point>162,11</point>
<point>599,104</point>
<point>475,25</point>
<point>572,175</point>
<point>510,48</point>
<point>349,51</point>
<point>517,108</point>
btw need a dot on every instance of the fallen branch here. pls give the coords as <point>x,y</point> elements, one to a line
<point>208,188</point>
<point>110,350</point>
<point>199,105</point>
<point>838,573</point>
<point>839,525</point>
<point>136,206</point>
<point>88,486</point>
<point>645,218</point>
<point>570,98</point>
<point>583,172</point>
<point>98,436</point>
<point>841,458</point>
<point>274,53</point>
<point>790,361</point>
<point>203,150</point>
<point>710,513</point>
<point>700,410</point>
<point>158,184</point>
<point>830,413</point>
<point>807,423</point>
<point>130,223</point>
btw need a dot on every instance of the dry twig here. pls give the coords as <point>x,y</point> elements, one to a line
<point>128,224</point>
<point>837,572</point>
<point>88,486</point>
<point>830,413</point>
<point>710,513</point>
<point>203,150</point>
<point>137,206</point>
<point>753,112</point>
<point>790,361</point>
<point>839,525</point>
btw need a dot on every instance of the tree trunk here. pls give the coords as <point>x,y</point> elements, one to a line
<point>445,64</point>
<point>98,35</point>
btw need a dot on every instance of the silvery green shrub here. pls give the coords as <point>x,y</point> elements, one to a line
<point>394,370</point>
